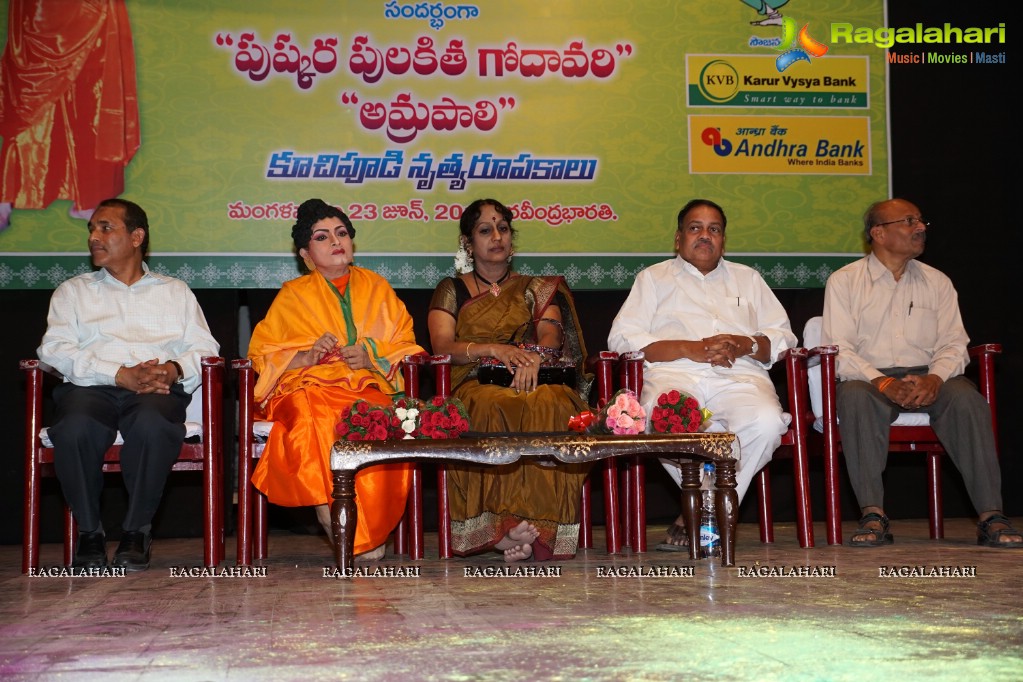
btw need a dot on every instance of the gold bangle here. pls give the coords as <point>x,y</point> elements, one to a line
<point>467,356</point>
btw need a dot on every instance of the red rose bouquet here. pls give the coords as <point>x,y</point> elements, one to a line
<point>365,421</point>
<point>677,412</point>
<point>442,418</point>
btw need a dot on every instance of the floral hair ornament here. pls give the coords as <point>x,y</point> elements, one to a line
<point>677,412</point>
<point>463,259</point>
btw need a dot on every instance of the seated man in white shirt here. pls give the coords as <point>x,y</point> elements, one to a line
<point>128,342</point>
<point>710,328</point>
<point>902,347</point>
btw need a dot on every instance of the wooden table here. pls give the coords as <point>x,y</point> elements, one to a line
<point>694,448</point>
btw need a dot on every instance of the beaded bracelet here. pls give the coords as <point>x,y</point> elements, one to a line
<point>556,323</point>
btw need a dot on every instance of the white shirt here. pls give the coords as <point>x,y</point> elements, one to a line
<point>877,322</point>
<point>96,324</point>
<point>673,300</point>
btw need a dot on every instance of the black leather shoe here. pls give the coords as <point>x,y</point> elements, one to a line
<point>92,550</point>
<point>133,551</point>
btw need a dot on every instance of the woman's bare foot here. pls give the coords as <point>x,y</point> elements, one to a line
<point>323,516</point>
<point>517,544</point>
<point>518,553</point>
<point>375,554</point>
<point>523,534</point>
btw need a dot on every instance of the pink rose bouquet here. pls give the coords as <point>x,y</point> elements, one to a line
<point>622,415</point>
<point>677,412</point>
<point>365,421</point>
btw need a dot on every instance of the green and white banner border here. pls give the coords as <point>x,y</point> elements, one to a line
<point>597,271</point>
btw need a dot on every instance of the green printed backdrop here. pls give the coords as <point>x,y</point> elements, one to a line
<point>208,131</point>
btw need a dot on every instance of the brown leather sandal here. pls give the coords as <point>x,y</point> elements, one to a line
<point>993,538</point>
<point>878,536</point>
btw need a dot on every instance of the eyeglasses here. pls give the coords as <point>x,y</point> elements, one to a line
<point>910,221</point>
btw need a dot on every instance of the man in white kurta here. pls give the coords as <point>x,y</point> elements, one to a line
<point>710,328</point>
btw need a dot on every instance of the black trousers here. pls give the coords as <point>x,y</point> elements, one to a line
<point>88,419</point>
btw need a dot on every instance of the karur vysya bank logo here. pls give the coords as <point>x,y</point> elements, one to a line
<point>807,47</point>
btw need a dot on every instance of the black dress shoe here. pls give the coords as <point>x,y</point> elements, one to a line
<point>92,550</point>
<point>133,551</point>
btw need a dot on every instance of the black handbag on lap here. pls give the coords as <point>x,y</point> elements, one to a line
<point>553,370</point>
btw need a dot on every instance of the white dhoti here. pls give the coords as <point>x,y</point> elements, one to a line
<point>743,403</point>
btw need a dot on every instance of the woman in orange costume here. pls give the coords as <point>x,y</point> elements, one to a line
<point>331,337</point>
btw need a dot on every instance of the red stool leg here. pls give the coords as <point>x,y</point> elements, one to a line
<point>443,514</point>
<point>638,495</point>
<point>259,526</point>
<point>764,497</point>
<point>611,502</point>
<point>585,516</point>
<point>414,513</point>
<point>70,536</point>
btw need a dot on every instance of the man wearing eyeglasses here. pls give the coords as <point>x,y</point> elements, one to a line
<point>902,347</point>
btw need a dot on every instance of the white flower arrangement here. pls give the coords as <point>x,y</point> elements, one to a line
<point>409,420</point>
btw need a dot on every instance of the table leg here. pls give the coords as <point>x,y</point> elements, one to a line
<point>691,504</point>
<point>343,515</point>
<point>726,500</point>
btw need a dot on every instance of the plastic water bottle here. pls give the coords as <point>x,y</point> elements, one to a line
<point>710,540</point>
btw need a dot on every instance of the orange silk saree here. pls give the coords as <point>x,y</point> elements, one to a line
<point>304,403</point>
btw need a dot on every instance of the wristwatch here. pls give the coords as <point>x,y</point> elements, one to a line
<point>181,373</point>
<point>756,346</point>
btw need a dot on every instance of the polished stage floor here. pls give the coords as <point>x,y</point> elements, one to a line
<point>742,623</point>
